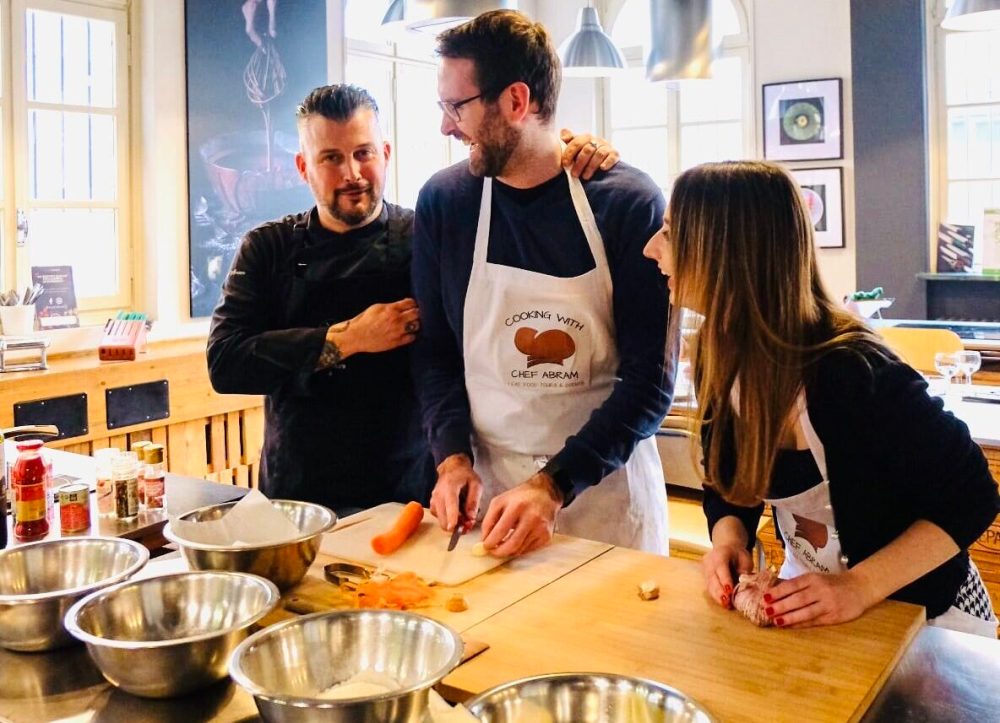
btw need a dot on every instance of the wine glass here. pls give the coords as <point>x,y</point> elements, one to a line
<point>968,364</point>
<point>946,363</point>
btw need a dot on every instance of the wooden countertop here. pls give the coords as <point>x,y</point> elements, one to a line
<point>592,620</point>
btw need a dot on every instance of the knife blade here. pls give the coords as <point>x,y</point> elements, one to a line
<point>461,515</point>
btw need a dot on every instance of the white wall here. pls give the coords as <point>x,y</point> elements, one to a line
<point>795,40</point>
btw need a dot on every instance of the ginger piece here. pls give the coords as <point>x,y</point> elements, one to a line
<point>479,550</point>
<point>649,590</point>
<point>456,603</point>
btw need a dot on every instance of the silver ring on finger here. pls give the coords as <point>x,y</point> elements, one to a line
<point>595,144</point>
<point>412,327</point>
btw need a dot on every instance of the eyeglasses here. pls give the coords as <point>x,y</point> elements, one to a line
<point>450,109</point>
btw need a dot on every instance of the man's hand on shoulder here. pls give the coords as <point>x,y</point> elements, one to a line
<point>586,153</point>
<point>380,327</point>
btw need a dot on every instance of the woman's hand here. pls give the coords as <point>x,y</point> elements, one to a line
<point>818,599</point>
<point>719,565</point>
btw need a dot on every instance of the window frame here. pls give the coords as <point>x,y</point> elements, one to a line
<point>16,269</point>
<point>936,72</point>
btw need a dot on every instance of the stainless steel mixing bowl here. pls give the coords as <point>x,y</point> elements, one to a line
<point>169,635</point>
<point>284,565</point>
<point>585,698</point>
<point>39,581</point>
<point>287,666</point>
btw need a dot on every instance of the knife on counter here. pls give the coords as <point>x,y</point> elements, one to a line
<point>459,526</point>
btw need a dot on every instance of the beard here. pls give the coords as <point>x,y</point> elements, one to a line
<point>357,209</point>
<point>496,144</point>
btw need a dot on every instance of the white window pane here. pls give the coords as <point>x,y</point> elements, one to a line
<point>720,98</point>
<point>420,148</point>
<point>974,142</point>
<point>71,156</point>
<point>70,59</point>
<point>647,150</point>
<point>637,102</point>
<point>363,19</point>
<point>86,239</point>
<point>958,145</point>
<point>711,142</point>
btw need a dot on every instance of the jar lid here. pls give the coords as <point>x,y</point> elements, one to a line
<point>154,453</point>
<point>29,444</point>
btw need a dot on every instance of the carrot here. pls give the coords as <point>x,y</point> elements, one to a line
<point>404,526</point>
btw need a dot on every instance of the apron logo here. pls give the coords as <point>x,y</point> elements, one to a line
<point>550,347</point>
<point>815,533</point>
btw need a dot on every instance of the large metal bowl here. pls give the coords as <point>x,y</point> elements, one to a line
<point>39,581</point>
<point>170,635</point>
<point>284,565</point>
<point>585,698</point>
<point>287,666</point>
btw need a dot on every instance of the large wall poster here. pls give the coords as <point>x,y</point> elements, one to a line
<point>249,64</point>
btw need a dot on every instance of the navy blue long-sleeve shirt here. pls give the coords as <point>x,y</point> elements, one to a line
<point>537,229</point>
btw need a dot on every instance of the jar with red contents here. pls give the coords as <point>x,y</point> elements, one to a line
<point>29,482</point>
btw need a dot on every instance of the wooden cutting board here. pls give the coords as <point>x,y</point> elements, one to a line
<point>425,553</point>
<point>592,619</point>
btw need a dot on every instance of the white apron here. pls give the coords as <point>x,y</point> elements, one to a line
<point>812,543</point>
<point>540,356</point>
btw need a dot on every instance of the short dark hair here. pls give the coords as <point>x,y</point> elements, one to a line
<point>506,47</point>
<point>336,102</point>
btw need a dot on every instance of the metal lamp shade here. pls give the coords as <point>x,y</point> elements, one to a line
<point>973,15</point>
<point>436,16</point>
<point>681,40</point>
<point>589,51</point>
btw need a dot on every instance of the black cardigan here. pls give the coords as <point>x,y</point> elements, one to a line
<point>893,456</point>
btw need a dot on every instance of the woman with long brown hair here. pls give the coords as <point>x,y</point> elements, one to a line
<point>876,491</point>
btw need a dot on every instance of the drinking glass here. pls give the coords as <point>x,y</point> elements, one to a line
<point>968,364</point>
<point>946,362</point>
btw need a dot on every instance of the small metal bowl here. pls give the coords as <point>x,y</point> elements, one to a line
<point>39,581</point>
<point>284,565</point>
<point>170,635</point>
<point>585,698</point>
<point>287,666</point>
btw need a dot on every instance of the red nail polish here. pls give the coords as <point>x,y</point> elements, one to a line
<point>770,612</point>
<point>779,622</point>
<point>767,597</point>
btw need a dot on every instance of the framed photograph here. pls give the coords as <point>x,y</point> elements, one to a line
<point>823,191</point>
<point>955,247</point>
<point>803,120</point>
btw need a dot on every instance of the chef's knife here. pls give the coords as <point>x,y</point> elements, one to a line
<point>461,516</point>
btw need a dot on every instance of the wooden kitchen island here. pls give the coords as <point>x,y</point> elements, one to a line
<point>573,607</point>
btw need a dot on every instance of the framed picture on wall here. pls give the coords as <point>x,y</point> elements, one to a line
<point>823,191</point>
<point>803,120</point>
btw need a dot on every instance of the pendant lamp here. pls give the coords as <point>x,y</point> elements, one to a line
<point>589,52</point>
<point>436,16</point>
<point>681,47</point>
<point>973,15</point>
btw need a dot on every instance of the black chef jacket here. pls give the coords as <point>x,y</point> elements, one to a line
<point>347,437</point>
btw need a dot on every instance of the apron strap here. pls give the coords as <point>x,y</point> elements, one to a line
<point>589,224</point>
<point>815,445</point>
<point>297,289</point>
<point>483,227</point>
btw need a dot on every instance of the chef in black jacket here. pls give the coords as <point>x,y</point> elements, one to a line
<point>316,314</point>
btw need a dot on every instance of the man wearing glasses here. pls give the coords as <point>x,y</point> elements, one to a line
<point>540,364</point>
<point>317,313</point>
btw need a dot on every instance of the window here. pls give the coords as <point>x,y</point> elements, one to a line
<point>968,92</point>
<point>666,128</point>
<point>67,202</point>
<point>401,74</point>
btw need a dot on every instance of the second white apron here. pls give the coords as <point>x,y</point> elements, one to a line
<point>540,357</point>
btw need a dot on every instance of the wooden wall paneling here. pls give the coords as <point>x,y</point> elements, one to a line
<point>217,459</point>
<point>188,450</point>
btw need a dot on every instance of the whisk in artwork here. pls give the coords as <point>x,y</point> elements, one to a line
<point>249,64</point>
